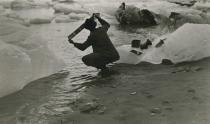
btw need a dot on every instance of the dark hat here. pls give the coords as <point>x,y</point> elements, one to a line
<point>90,24</point>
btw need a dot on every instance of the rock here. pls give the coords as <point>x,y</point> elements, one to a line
<point>146,44</point>
<point>160,43</point>
<point>167,62</point>
<point>135,43</point>
<point>89,107</point>
<point>133,15</point>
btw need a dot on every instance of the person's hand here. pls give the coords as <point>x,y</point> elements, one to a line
<point>71,41</point>
<point>97,15</point>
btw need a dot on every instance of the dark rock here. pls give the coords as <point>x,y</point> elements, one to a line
<point>174,15</point>
<point>131,15</point>
<point>147,17</point>
<point>167,62</point>
<point>146,44</point>
<point>159,44</point>
<point>136,52</point>
<point>135,43</point>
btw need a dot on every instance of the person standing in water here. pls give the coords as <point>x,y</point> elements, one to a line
<point>104,51</point>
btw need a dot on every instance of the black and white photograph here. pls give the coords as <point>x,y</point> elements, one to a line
<point>104,61</point>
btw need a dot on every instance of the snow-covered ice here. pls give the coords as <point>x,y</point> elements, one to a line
<point>190,42</point>
<point>76,16</point>
<point>62,19</point>
<point>202,6</point>
<point>69,8</point>
<point>24,57</point>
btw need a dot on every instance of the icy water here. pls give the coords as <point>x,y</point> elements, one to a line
<point>46,100</point>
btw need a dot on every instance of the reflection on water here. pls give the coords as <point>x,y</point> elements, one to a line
<point>46,100</point>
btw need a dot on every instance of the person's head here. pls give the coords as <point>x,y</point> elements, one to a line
<point>90,24</point>
<point>122,6</point>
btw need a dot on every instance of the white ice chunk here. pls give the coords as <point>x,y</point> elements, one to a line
<point>76,16</point>
<point>24,57</point>
<point>62,19</point>
<point>190,42</point>
<point>202,6</point>
<point>68,8</point>
<point>19,4</point>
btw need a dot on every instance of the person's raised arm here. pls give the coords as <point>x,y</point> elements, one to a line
<point>81,46</point>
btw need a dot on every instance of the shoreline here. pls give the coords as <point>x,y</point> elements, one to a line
<point>146,93</point>
<point>143,93</point>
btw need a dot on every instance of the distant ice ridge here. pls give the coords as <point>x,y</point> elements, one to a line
<point>24,57</point>
<point>190,42</point>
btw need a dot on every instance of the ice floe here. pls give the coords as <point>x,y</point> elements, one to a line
<point>24,57</point>
<point>190,42</point>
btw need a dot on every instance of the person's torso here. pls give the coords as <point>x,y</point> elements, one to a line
<point>102,44</point>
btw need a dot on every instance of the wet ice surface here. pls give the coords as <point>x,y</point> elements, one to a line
<point>45,101</point>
